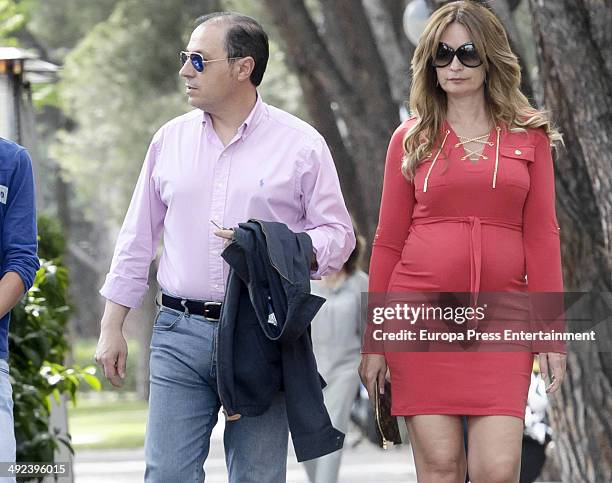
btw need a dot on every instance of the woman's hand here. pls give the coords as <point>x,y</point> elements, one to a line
<point>373,367</point>
<point>552,364</point>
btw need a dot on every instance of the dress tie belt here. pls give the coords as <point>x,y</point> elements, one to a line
<point>475,223</point>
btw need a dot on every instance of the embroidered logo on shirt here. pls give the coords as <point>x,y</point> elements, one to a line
<point>3,194</point>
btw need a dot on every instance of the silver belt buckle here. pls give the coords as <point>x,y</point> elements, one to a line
<point>206,304</point>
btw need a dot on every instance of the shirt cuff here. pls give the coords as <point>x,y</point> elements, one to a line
<point>124,291</point>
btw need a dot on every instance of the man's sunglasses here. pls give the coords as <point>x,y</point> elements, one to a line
<point>197,60</point>
<point>466,54</point>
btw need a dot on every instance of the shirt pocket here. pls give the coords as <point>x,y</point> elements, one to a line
<point>513,165</point>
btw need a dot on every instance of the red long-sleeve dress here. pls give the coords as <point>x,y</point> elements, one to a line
<point>467,228</point>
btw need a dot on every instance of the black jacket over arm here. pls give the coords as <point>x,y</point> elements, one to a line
<point>268,284</point>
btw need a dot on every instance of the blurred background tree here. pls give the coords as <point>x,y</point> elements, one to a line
<point>576,81</point>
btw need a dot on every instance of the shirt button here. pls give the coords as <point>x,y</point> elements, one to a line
<point>518,152</point>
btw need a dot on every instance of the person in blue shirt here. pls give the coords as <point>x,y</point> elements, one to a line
<point>18,265</point>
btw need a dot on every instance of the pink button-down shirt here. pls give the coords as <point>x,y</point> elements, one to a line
<point>276,168</point>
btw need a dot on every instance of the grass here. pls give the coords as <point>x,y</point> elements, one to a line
<point>112,418</point>
<point>83,351</point>
<point>102,422</point>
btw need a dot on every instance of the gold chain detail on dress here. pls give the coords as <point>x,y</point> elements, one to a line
<point>478,139</point>
<point>497,128</point>
<point>434,162</point>
<point>496,157</point>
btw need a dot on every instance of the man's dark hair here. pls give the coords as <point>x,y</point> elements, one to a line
<point>245,37</point>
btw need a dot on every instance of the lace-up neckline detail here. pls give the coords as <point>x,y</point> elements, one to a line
<point>462,141</point>
<point>484,139</point>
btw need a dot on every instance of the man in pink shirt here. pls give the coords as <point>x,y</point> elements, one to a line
<point>230,159</point>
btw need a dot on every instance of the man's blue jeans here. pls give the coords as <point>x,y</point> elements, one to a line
<point>183,408</point>
<point>7,430</point>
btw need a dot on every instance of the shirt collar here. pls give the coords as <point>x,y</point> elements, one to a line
<point>252,120</point>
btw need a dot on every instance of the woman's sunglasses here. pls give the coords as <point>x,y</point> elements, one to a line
<point>466,54</point>
<point>198,61</point>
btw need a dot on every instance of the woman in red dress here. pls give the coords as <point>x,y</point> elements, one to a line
<point>468,205</point>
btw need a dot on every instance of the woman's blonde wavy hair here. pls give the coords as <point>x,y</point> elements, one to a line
<point>506,103</point>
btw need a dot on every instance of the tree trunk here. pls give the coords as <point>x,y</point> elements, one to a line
<point>343,75</point>
<point>395,49</point>
<point>577,86</point>
<point>322,114</point>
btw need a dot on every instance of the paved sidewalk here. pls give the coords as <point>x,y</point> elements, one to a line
<point>364,463</point>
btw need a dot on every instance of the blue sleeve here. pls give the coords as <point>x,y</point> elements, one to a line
<point>19,241</point>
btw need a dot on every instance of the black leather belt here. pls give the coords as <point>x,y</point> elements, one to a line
<point>209,310</point>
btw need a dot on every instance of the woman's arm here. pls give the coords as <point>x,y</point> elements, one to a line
<point>394,221</point>
<point>543,260</point>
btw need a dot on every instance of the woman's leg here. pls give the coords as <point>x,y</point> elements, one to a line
<point>438,448</point>
<point>494,448</point>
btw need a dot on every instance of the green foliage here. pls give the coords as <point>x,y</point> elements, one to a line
<point>37,348</point>
<point>119,85</point>
<point>60,24</point>
<point>12,19</point>
<point>45,95</point>
<point>51,241</point>
<point>89,422</point>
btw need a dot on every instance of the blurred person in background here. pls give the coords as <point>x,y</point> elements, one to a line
<point>336,340</point>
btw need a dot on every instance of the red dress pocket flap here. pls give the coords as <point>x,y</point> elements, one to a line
<point>526,153</point>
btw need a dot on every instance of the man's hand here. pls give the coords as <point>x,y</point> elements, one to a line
<point>373,367</point>
<point>111,354</point>
<point>314,265</point>
<point>552,364</point>
<point>228,234</point>
<point>112,350</point>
